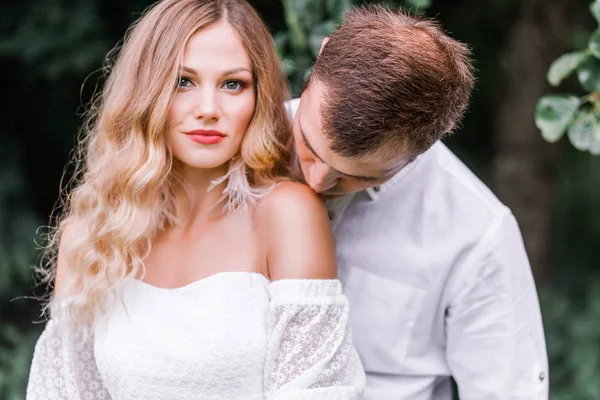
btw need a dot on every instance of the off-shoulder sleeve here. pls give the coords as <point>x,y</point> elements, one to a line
<point>310,354</point>
<point>63,366</point>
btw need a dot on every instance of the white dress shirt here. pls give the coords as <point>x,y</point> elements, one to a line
<point>439,286</point>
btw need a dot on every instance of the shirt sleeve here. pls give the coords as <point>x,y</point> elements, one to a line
<point>495,340</point>
<point>63,366</point>
<point>310,353</point>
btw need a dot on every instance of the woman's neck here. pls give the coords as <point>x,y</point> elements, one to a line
<point>196,202</point>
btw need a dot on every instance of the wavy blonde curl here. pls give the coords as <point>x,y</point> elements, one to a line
<point>125,177</point>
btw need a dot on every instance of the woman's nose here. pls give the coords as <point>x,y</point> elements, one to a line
<point>207,105</point>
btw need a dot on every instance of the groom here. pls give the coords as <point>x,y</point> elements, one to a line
<point>433,264</point>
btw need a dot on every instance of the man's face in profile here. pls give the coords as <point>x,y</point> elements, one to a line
<point>326,172</point>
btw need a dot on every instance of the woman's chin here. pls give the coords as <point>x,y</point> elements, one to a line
<point>205,164</point>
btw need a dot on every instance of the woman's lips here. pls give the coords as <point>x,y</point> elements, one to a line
<point>206,137</point>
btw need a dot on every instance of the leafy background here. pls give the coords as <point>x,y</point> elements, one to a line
<point>577,115</point>
<point>48,49</point>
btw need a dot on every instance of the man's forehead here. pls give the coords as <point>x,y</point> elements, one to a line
<point>376,166</point>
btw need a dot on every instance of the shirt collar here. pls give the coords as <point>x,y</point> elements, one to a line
<point>377,191</point>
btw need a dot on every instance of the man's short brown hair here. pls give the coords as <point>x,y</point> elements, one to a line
<point>393,81</point>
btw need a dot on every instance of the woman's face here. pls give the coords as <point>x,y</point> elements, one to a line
<point>215,98</point>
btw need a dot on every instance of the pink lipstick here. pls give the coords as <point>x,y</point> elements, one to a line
<point>206,137</point>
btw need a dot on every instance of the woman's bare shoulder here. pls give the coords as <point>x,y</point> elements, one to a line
<point>298,236</point>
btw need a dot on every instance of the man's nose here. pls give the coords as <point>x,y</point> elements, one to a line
<point>207,105</point>
<point>321,178</point>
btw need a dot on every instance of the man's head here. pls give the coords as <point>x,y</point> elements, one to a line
<point>386,86</point>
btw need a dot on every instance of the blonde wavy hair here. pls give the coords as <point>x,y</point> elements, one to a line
<point>125,175</point>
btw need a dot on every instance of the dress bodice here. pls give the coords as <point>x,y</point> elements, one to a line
<point>233,335</point>
<point>207,337</point>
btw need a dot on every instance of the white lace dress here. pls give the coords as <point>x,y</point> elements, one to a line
<point>233,335</point>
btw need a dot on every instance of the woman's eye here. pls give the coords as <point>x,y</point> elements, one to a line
<point>233,85</point>
<point>183,82</point>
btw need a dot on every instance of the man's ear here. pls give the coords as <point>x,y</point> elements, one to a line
<point>325,40</point>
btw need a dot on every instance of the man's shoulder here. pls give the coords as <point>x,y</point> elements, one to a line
<point>457,182</point>
<point>441,195</point>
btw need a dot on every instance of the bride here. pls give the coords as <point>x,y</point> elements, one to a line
<point>188,264</point>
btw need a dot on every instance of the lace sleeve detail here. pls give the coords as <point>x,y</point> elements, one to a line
<point>310,353</point>
<point>64,368</point>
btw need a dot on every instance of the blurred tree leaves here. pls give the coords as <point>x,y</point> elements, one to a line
<point>573,340</point>
<point>588,72</point>
<point>17,256</point>
<point>584,130</point>
<point>15,358</point>
<point>418,5</point>
<point>57,37</point>
<point>564,66</point>
<point>19,224</point>
<point>580,117</point>
<point>554,114</point>
<point>308,22</point>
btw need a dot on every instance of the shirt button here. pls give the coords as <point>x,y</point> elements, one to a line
<point>542,376</point>
<point>376,188</point>
<point>330,215</point>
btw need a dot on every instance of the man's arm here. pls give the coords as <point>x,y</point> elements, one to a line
<point>495,339</point>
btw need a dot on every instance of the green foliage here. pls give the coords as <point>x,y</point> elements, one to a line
<point>57,37</point>
<point>595,9</point>
<point>580,117</point>
<point>573,340</point>
<point>418,4</point>
<point>594,44</point>
<point>19,224</point>
<point>17,256</point>
<point>308,23</point>
<point>15,359</point>
<point>588,73</point>
<point>570,302</point>
<point>585,131</point>
<point>564,66</point>
<point>554,114</point>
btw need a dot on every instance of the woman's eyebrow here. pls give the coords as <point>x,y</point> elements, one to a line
<point>228,72</point>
